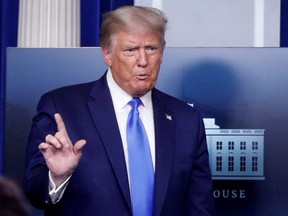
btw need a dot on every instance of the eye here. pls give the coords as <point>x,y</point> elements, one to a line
<point>151,50</point>
<point>130,51</point>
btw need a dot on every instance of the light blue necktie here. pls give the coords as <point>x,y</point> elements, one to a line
<point>140,163</point>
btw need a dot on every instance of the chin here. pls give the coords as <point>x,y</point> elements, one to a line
<point>140,93</point>
<point>141,90</point>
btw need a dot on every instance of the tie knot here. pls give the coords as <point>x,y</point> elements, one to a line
<point>135,103</point>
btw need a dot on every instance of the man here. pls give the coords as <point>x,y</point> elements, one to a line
<point>85,147</point>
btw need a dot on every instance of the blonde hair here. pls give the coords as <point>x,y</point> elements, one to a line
<point>127,17</point>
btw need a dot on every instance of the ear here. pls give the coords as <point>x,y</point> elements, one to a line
<point>107,56</point>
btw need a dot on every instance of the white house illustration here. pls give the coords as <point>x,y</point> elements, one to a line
<point>235,154</point>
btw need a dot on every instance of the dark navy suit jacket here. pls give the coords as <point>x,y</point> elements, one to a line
<point>99,185</point>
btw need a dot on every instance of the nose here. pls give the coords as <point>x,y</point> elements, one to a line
<point>142,59</point>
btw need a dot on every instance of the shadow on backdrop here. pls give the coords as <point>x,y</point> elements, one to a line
<point>212,87</point>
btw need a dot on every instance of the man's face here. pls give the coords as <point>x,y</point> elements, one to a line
<point>134,59</point>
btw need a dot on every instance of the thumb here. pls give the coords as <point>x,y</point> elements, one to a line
<point>78,147</point>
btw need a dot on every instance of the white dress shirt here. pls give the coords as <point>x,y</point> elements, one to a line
<point>120,102</point>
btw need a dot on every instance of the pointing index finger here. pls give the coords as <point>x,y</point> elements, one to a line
<point>60,124</point>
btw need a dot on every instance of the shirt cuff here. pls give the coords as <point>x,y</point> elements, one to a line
<point>57,193</point>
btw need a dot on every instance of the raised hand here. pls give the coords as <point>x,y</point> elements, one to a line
<point>61,156</point>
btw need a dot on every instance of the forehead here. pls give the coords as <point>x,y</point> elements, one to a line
<point>131,37</point>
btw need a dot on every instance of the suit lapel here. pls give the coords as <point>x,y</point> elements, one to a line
<point>163,120</point>
<point>103,114</point>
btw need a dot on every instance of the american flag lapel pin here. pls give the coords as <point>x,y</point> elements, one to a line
<point>169,117</point>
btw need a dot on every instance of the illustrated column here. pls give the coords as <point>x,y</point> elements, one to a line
<point>49,23</point>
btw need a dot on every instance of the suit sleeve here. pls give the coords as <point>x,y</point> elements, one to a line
<point>36,178</point>
<point>201,202</point>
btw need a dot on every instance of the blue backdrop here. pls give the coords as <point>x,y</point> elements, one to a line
<point>242,88</point>
<point>8,37</point>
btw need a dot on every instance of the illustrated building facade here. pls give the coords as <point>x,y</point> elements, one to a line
<point>235,154</point>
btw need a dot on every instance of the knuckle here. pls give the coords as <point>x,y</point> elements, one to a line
<point>48,138</point>
<point>61,137</point>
